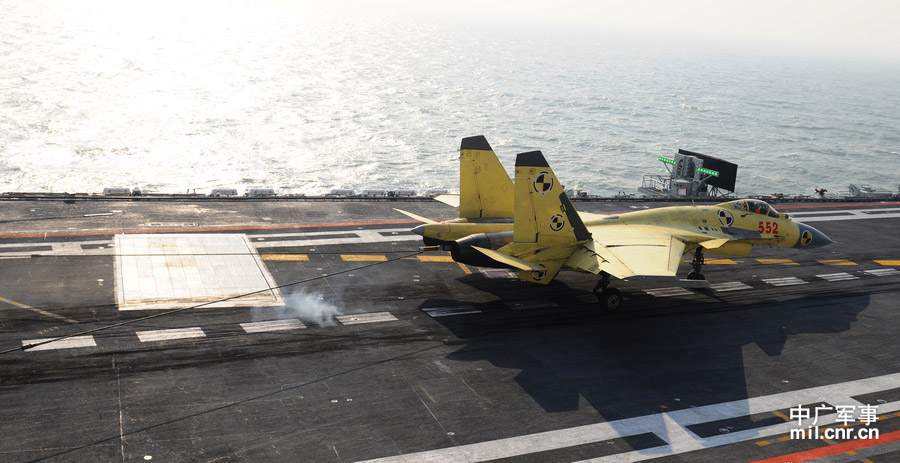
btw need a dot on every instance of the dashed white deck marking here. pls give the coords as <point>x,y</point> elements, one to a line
<point>358,319</point>
<point>668,292</point>
<point>67,343</point>
<point>671,427</point>
<point>841,276</point>
<point>167,335</point>
<point>435,312</point>
<point>788,281</point>
<point>729,286</point>
<point>883,272</point>
<point>169,271</point>
<point>273,325</point>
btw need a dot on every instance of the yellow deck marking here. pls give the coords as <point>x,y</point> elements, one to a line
<point>36,310</point>
<point>464,268</point>
<point>782,416</point>
<point>285,257</point>
<point>851,452</point>
<point>763,443</point>
<point>363,258</point>
<point>896,413</point>
<point>777,261</point>
<point>435,258</point>
<point>784,438</point>
<point>837,262</point>
<point>888,262</point>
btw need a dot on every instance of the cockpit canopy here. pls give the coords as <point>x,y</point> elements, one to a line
<point>752,205</point>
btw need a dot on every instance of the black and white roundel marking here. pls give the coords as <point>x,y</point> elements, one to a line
<point>557,222</point>
<point>806,237</point>
<point>725,217</point>
<point>538,275</point>
<point>543,182</point>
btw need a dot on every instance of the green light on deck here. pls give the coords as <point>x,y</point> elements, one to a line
<point>707,171</point>
<point>667,160</point>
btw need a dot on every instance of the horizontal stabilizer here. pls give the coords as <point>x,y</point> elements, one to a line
<point>450,200</point>
<point>510,260</point>
<point>416,217</point>
<point>713,244</point>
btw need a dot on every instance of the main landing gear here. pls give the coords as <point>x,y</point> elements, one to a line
<point>696,265</point>
<point>610,298</point>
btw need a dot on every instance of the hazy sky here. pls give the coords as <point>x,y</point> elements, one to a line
<point>840,28</point>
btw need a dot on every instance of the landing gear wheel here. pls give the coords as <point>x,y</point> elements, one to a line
<point>610,300</point>
<point>695,276</point>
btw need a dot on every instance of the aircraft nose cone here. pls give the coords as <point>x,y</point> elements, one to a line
<point>811,238</point>
<point>419,230</point>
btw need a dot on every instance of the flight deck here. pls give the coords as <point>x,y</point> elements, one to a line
<point>301,330</point>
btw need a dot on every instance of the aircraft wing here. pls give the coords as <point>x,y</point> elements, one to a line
<point>627,250</point>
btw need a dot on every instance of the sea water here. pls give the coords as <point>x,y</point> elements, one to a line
<point>303,98</point>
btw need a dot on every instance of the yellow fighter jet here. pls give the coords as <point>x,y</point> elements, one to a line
<point>549,235</point>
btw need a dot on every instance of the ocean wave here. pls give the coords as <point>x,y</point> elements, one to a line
<point>348,102</point>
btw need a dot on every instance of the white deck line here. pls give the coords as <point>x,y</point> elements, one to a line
<point>167,335</point>
<point>671,427</point>
<point>842,276</point>
<point>666,292</point>
<point>273,325</point>
<point>856,214</point>
<point>788,281</point>
<point>67,343</point>
<point>883,272</point>
<point>846,211</point>
<point>359,319</point>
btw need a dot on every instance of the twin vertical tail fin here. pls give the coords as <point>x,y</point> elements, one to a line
<point>547,228</point>
<point>485,189</point>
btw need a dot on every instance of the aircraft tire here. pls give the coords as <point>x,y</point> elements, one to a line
<point>610,300</point>
<point>695,276</point>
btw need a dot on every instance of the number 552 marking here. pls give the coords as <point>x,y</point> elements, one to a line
<point>770,228</point>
